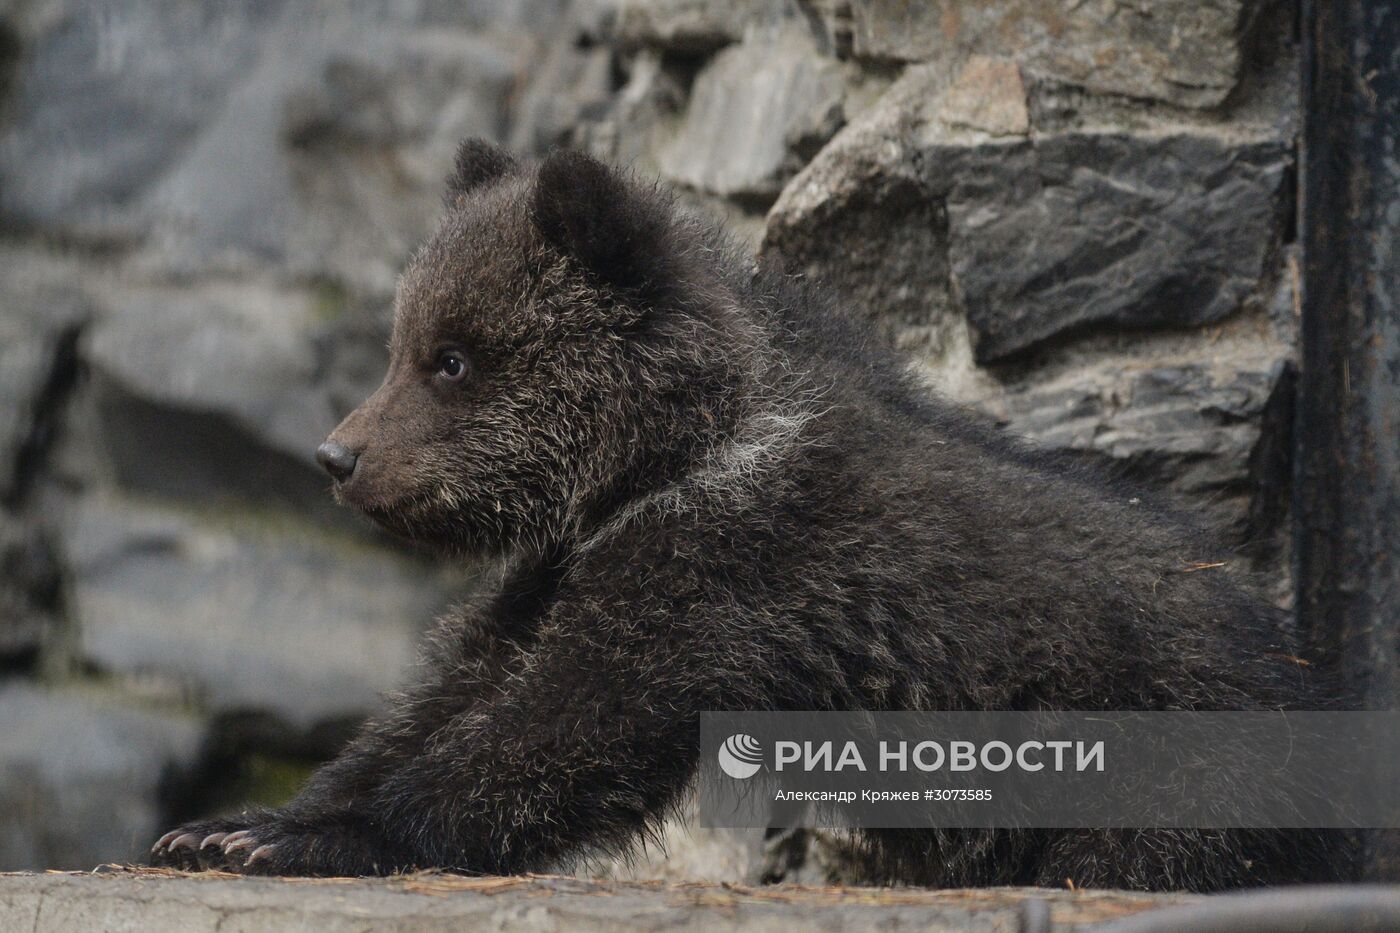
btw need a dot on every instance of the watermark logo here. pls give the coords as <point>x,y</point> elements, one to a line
<point>740,756</point>
<point>1049,769</point>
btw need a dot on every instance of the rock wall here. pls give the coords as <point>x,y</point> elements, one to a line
<point>204,207</point>
<point>1076,217</point>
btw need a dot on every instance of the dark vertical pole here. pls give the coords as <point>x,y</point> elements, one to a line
<point>1348,428</point>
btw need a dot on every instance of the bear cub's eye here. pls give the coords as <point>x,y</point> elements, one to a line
<point>452,365</point>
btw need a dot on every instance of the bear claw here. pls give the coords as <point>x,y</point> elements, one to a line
<point>165,840</point>
<point>261,852</point>
<point>184,841</point>
<point>239,840</point>
<point>212,839</point>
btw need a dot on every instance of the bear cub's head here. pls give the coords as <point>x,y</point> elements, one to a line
<point>563,342</point>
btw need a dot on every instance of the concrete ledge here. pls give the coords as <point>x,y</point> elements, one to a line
<point>157,901</point>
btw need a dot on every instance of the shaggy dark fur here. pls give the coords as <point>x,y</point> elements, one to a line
<point>711,490</point>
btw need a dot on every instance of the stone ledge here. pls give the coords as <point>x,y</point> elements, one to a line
<point>156,901</point>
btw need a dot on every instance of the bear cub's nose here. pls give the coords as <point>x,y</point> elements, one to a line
<point>338,461</point>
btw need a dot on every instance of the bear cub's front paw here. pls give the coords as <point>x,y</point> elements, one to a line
<point>205,844</point>
<point>274,844</point>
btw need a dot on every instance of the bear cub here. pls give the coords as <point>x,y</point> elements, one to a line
<point>709,488</point>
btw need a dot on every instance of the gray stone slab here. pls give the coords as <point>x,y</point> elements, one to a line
<point>1179,51</point>
<point>79,775</point>
<point>755,111</point>
<point>242,351</point>
<point>248,612</point>
<point>192,130</point>
<point>695,25</point>
<point>39,322</point>
<point>30,586</point>
<point>1039,237</point>
<point>110,93</point>
<point>1117,229</point>
<point>157,902</point>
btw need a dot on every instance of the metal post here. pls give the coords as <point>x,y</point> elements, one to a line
<point>1348,429</point>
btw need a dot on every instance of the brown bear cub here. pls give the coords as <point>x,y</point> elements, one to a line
<point>709,489</point>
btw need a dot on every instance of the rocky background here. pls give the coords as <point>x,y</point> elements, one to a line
<point>1076,216</point>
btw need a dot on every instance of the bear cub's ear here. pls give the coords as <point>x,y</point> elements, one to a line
<point>477,163</point>
<point>614,229</point>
